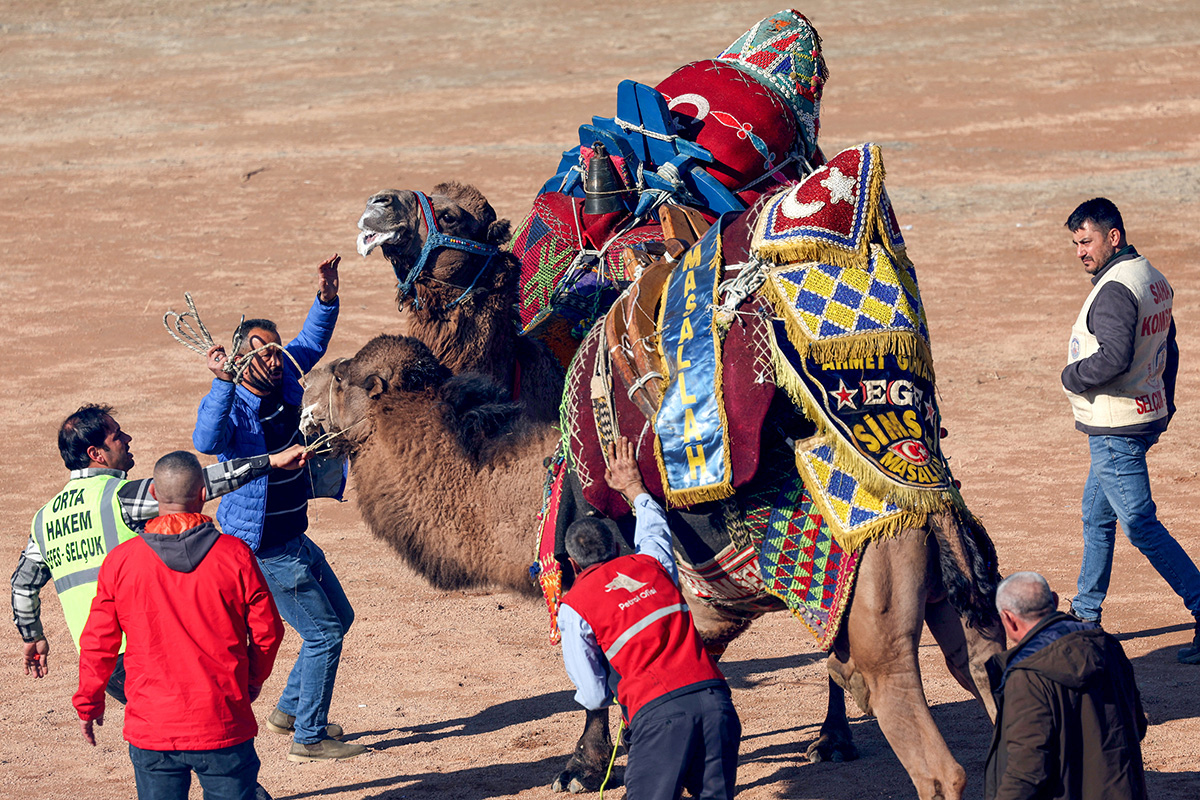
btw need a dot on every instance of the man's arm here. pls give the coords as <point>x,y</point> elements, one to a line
<point>213,426</point>
<point>585,663</point>
<point>99,645</point>
<point>263,623</point>
<point>1172,369</point>
<point>28,579</point>
<point>138,505</point>
<point>1113,319</point>
<point>1030,741</point>
<point>651,536</point>
<point>310,344</point>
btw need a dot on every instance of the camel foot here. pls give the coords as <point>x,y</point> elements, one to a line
<point>830,747</point>
<point>577,778</point>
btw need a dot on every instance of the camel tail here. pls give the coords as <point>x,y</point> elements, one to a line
<point>970,572</point>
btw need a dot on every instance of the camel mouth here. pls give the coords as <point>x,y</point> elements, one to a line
<point>369,240</point>
<point>310,426</point>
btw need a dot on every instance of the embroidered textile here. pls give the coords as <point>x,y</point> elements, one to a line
<point>800,560</point>
<point>784,52</point>
<point>852,350</point>
<point>691,432</point>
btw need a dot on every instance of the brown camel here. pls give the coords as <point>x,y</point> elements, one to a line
<point>463,302</point>
<point>472,465</point>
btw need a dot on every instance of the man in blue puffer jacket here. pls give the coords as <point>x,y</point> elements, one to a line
<point>270,514</point>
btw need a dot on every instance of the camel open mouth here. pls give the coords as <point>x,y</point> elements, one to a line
<point>369,240</point>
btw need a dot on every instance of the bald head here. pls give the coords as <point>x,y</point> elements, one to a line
<point>1026,595</point>
<point>178,480</point>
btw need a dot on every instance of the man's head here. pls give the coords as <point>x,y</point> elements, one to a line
<point>178,483</point>
<point>266,371</point>
<point>92,438</point>
<point>590,541</point>
<point>1023,600</point>
<point>1098,232</point>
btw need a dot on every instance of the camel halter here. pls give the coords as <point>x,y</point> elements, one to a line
<point>435,240</point>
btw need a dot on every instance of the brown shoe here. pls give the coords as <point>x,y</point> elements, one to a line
<point>325,750</point>
<point>279,722</point>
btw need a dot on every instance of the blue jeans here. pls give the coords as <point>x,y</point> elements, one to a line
<point>1118,490</point>
<point>310,598</point>
<point>229,773</point>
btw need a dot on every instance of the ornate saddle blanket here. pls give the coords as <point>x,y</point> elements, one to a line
<point>851,348</point>
<point>745,359</point>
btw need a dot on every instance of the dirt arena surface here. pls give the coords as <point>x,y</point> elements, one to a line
<point>148,148</point>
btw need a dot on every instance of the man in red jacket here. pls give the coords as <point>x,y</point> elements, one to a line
<point>626,614</point>
<point>202,633</point>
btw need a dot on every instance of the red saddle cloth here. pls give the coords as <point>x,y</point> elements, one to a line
<point>749,389</point>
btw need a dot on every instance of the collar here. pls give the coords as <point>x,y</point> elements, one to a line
<point>176,523</point>
<point>1126,253</point>
<point>91,472</point>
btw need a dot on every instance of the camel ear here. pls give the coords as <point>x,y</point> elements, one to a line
<point>375,385</point>
<point>499,232</point>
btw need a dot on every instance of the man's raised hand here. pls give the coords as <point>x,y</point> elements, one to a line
<point>327,279</point>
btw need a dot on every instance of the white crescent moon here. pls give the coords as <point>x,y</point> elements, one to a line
<point>794,209</point>
<point>697,100</point>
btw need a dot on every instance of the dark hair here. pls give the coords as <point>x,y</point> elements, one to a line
<point>1101,212</point>
<point>177,477</point>
<point>87,427</point>
<point>243,331</point>
<point>590,541</point>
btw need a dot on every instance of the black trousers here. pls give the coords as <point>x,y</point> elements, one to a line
<point>689,741</point>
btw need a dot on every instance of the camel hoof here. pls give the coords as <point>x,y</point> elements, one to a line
<point>567,781</point>
<point>827,748</point>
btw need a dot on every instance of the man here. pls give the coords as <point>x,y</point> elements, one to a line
<point>1120,379</point>
<point>271,513</point>
<point>94,512</point>
<point>202,635</point>
<point>627,613</point>
<point>1069,719</point>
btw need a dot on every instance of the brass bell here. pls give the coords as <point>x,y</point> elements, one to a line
<point>602,189</point>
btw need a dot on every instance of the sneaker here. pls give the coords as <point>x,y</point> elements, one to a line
<point>1191,653</point>
<point>279,722</point>
<point>324,750</point>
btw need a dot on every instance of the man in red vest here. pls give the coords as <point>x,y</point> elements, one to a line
<point>626,619</point>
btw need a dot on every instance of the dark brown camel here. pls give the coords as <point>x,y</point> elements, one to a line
<point>463,304</point>
<point>433,453</point>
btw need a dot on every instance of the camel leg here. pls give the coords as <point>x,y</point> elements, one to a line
<point>586,767</point>
<point>835,742</point>
<point>880,664</point>
<point>966,650</point>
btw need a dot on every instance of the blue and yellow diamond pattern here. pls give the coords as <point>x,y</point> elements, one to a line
<point>846,504</point>
<point>828,300</point>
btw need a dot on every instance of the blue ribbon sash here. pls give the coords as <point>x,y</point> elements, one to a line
<point>690,427</point>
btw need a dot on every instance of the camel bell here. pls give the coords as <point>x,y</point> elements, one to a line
<point>602,189</point>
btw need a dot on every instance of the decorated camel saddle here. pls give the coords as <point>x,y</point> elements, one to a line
<point>813,294</point>
<point>716,135</point>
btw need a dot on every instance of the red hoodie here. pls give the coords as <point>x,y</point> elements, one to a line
<point>201,629</point>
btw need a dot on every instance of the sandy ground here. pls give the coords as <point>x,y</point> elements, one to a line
<point>148,148</point>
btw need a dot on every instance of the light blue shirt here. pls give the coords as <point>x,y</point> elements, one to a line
<point>585,662</point>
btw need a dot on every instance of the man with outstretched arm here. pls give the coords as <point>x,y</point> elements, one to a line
<point>625,618</point>
<point>261,410</point>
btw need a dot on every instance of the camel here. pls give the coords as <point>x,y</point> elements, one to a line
<point>463,298</point>
<point>472,464</point>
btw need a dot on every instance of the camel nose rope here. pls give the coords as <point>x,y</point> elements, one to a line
<point>200,341</point>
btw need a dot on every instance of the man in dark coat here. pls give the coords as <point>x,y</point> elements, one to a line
<point>1069,721</point>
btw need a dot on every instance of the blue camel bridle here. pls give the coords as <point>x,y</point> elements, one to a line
<point>434,240</point>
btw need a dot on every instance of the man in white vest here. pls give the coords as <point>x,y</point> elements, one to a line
<point>1120,379</point>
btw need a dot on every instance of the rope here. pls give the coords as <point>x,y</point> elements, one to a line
<point>613,758</point>
<point>629,126</point>
<point>200,341</point>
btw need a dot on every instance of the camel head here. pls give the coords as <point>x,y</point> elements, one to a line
<point>400,378</point>
<point>395,222</point>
